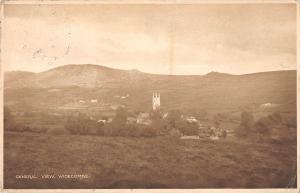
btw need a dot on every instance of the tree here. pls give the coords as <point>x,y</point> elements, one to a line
<point>291,122</point>
<point>173,117</point>
<point>80,124</point>
<point>246,125</point>
<point>247,120</point>
<point>276,117</point>
<point>118,125</point>
<point>200,114</point>
<point>263,126</point>
<point>121,117</point>
<point>187,128</point>
<point>217,121</point>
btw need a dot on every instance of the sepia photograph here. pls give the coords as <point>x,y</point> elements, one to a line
<point>153,95</point>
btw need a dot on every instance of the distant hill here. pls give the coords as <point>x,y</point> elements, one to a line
<point>69,75</point>
<point>212,92</point>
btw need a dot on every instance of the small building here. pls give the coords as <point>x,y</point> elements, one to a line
<point>102,121</point>
<point>191,119</point>
<point>144,119</point>
<point>116,106</point>
<point>131,120</point>
<point>268,106</point>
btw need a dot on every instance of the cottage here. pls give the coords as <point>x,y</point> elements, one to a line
<point>131,120</point>
<point>268,106</point>
<point>116,106</point>
<point>144,119</point>
<point>191,119</point>
<point>102,121</point>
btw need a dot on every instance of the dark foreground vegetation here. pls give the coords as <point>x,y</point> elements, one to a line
<point>159,162</point>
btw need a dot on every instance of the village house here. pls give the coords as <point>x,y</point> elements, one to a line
<point>190,119</point>
<point>102,121</point>
<point>144,119</point>
<point>94,101</point>
<point>116,106</point>
<point>131,120</point>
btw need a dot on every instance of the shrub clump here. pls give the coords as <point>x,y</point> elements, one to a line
<point>81,125</point>
<point>187,128</point>
<point>263,126</point>
<point>246,125</point>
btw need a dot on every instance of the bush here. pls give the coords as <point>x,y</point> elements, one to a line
<point>291,122</point>
<point>263,126</point>
<point>100,128</point>
<point>217,121</point>
<point>20,128</point>
<point>247,119</point>
<point>115,129</point>
<point>81,125</point>
<point>266,125</point>
<point>159,124</point>
<point>271,128</point>
<point>246,125</point>
<point>121,116</point>
<point>187,128</point>
<point>173,117</point>
<point>58,131</point>
<point>130,130</point>
<point>275,117</point>
<point>201,114</point>
<point>148,132</point>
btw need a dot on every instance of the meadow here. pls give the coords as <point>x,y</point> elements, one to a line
<point>158,162</point>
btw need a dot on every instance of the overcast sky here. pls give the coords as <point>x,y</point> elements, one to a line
<point>165,39</point>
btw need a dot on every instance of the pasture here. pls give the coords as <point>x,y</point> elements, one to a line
<point>159,162</point>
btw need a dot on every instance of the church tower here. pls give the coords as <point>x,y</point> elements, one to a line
<point>155,101</point>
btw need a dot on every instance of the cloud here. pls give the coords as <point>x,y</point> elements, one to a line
<point>229,38</point>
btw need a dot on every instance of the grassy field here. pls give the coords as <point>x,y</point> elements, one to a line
<point>118,162</point>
